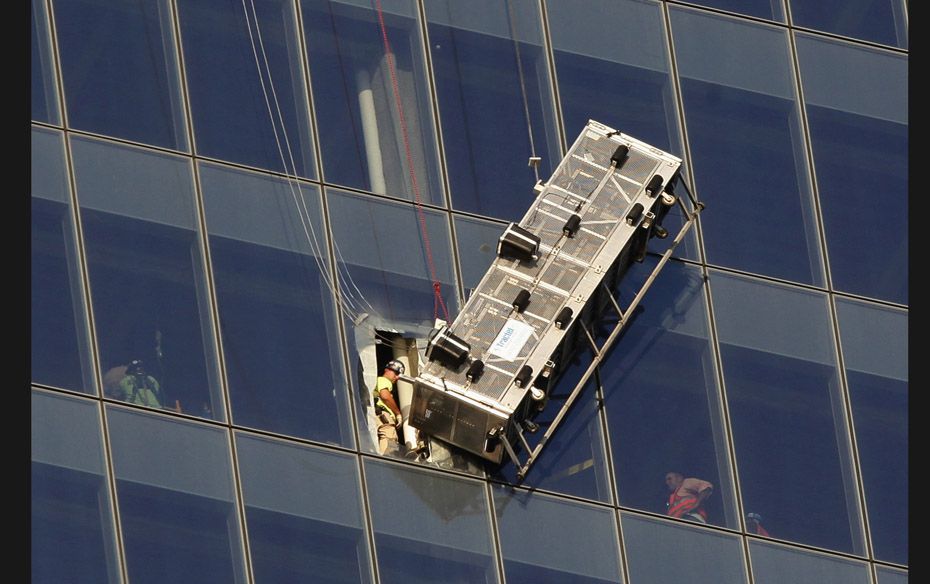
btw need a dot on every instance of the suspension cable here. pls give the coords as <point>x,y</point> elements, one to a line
<point>352,306</point>
<point>389,56</point>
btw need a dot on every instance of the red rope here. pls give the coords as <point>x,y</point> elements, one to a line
<point>438,302</point>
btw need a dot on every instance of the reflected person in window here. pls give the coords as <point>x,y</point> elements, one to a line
<point>138,387</point>
<point>686,496</point>
<point>386,409</point>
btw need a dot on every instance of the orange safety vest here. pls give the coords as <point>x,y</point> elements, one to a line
<point>679,505</point>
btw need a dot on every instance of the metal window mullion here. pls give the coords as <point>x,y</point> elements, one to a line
<point>88,303</point>
<point>834,319</point>
<point>553,78</point>
<point>674,78</point>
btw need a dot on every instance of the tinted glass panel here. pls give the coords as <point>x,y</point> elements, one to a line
<point>493,86</point>
<point>120,71</point>
<point>60,353</point>
<point>749,158</point>
<point>429,527</point>
<point>276,308</point>
<point>384,260</point>
<point>787,412</point>
<point>44,82</point>
<point>859,136</point>
<point>658,551</point>
<point>176,500</point>
<point>574,460</point>
<point>613,66</point>
<point>369,139</point>
<point>246,83</point>
<point>881,21</point>
<point>890,576</point>
<point>477,247</point>
<point>771,9</point>
<point>662,398</point>
<point>584,551</point>
<point>304,513</point>
<point>875,348</point>
<point>146,277</point>
<point>72,537</point>
<point>775,565</point>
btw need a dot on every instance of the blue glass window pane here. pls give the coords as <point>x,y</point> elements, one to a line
<point>770,9</point>
<point>383,258</point>
<point>859,136</point>
<point>659,551</point>
<point>72,537</point>
<point>777,564</point>
<point>545,539</point>
<point>613,66</point>
<point>661,376</point>
<point>787,412</point>
<point>44,81</point>
<point>239,114</point>
<point>148,288</point>
<point>574,460</point>
<point>477,247</point>
<point>120,70</point>
<point>747,146</point>
<point>304,511</point>
<point>493,87</point>
<point>881,21</point>
<point>176,498</point>
<point>276,309</point>
<point>429,527</point>
<point>60,353</point>
<point>890,576</point>
<point>875,346</point>
<point>361,130</point>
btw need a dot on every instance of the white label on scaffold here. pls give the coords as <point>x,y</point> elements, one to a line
<point>510,340</point>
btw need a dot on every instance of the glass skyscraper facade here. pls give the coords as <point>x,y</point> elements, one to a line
<point>231,191</point>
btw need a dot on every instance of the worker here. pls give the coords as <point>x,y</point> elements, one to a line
<point>686,496</point>
<point>138,387</point>
<point>754,524</point>
<point>386,409</point>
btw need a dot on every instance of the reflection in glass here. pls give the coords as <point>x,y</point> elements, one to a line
<point>176,500</point>
<point>493,87</point>
<point>239,114</point>
<point>355,84</point>
<point>880,21</point>
<point>304,512</point>
<point>429,527</point>
<point>747,146</point>
<point>584,551</point>
<point>276,310</point>
<point>612,66</point>
<point>662,399</point>
<point>44,81</point>
<point>859,138</point>
<point>777,564</point>
<point>787,412</point>
<point>875,347</point>
<point>658,551</point>
<point>147,283</point>
<point>60,353</point>
<point>120,70</point>
<point>71,531</point>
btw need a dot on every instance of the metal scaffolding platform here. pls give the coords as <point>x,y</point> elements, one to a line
<point>489,373</point>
